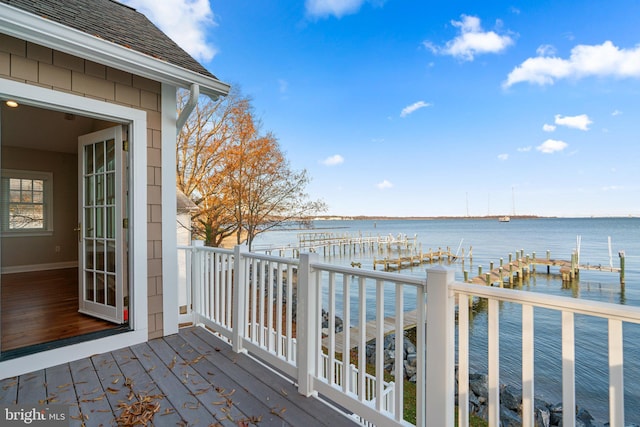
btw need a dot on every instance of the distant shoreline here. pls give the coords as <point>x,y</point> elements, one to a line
<point>428,218</point>
<point>410,218</point>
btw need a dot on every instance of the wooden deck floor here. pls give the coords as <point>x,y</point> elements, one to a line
<point>193,377</point>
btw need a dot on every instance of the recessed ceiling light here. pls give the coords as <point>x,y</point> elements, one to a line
<point>11,103</point>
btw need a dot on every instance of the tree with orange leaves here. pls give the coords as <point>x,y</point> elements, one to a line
<point>240,179</point>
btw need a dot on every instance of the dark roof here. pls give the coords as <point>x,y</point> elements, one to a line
<point>114,22</point>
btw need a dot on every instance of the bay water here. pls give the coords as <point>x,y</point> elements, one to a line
<point>599,240</point>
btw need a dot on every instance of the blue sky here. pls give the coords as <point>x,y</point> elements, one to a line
<point>429,108</point>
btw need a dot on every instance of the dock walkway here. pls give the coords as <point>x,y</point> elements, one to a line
<point>371,327</point>
<point>414,259</point>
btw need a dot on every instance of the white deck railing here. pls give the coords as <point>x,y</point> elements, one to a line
<point>273,308</point>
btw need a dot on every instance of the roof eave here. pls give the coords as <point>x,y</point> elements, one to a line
<point>26,26</point>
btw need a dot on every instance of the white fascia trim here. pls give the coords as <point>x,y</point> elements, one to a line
<point>137,120</point>
<point>26,26</point>
<point>170,309</point>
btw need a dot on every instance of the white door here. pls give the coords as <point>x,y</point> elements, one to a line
<point>101,230</point>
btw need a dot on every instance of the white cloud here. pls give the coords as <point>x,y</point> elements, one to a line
<point>334,160</point>
<point>548,128</point>
<point>616,113</point>
<point>585,60</point>
<point>612,188</point>
<point>185,21</point>
<point>471,41</point>
<point>551,146</point>
<point>503,156</point>
<point>384,185</point>
<point>524,149</point>
<point>337,8</point>
<point>413,107</point>
<point>546,50</point>
<point>581,122</point>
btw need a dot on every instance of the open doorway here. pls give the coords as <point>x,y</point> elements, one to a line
<point>49,246</point>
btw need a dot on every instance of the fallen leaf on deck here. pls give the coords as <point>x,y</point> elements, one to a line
<point>200,391</point>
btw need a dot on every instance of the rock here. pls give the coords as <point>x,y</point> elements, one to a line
<point>409,348</point>
<point>542,417</point>
<point>511,397</point>
<point>478,384</point>
<point>509,418</point>
<point>585,417</point>
<point>410,366</point>
<point>556,414</point>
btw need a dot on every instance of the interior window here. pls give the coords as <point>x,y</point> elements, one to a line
<point>26,203</point>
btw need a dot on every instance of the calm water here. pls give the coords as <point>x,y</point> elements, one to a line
<point>492,240</point>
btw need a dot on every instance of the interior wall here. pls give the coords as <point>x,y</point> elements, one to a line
<point>62,246</point>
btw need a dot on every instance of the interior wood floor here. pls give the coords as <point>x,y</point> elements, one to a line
<point>42,306</point>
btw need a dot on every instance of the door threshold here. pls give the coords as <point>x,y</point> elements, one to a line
<point>37,348</point>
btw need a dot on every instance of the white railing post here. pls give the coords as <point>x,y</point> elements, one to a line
<point>440,366</point>
<point>307,327</point>
<point>239,307</point>
<point>196,280</point>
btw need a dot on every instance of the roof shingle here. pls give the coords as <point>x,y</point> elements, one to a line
<point>114,22</point>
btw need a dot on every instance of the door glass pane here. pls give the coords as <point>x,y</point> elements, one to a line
<point>111,222</point>
<point>111,290</point>
<point>111,155</point>
<point>88,253</point>
<point>89,199</point>
<point>99,222</point>
<point>100,255</point>
<point>88,159</point>
<point>99,157</point>
<point>88,222</point>
<point>89,286</point>
<point>111,189</point>
<point>111,257</point>
<point>100,288</point>
<point>99,189</point>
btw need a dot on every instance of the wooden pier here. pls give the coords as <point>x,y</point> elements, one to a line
<point>524,265</point>
<point>371,327</point>
<point>335,244</point>
<point>414,259</point>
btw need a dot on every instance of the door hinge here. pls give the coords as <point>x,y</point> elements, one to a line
<point>125,223</point>
<point>125,145</point>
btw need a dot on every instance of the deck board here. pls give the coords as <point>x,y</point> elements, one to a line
<point>284,391</point>
<point>60,391</point>
<point>92,400</point>
<point>191,411</point>
<point>257,399</point>
<point>202,382</point>
<point>141,384</point>
<point>200,390</point>
<point>195,377</point>
<point>31,387</point>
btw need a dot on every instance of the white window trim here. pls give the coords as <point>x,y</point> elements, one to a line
<point>47,178</point>
<point>137,121</point>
